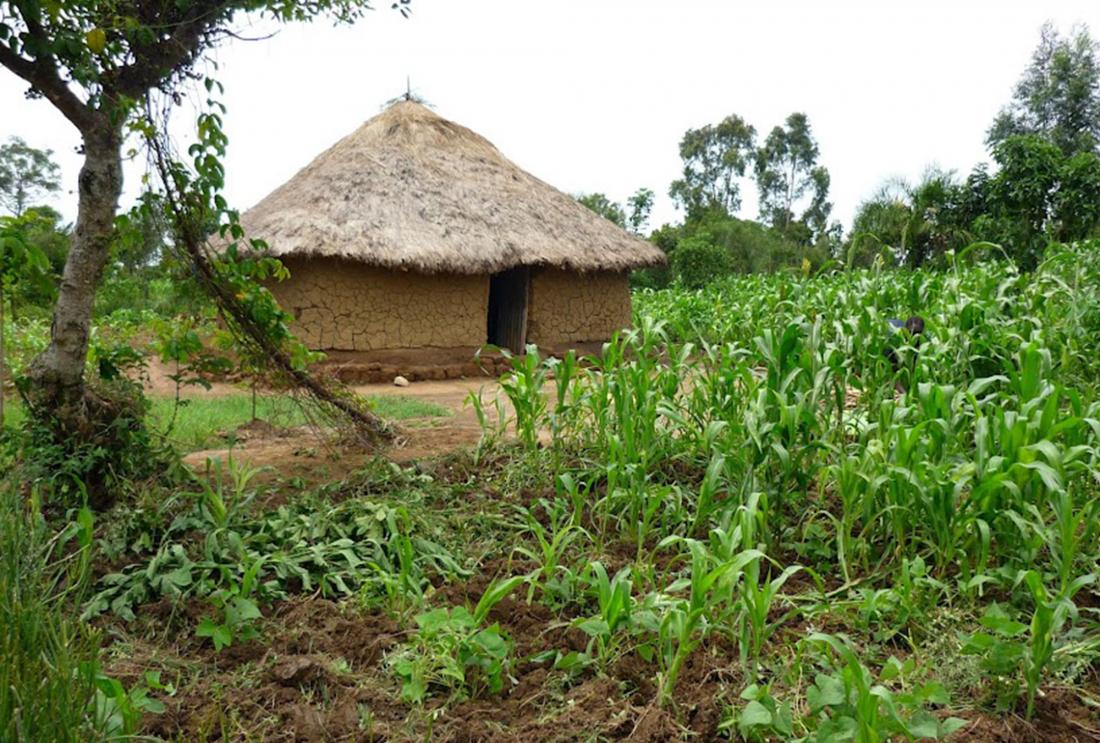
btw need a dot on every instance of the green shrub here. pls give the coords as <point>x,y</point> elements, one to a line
<point>697,261</point>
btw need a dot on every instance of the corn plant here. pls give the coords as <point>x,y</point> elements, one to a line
<point>524,388</point>
<point>758,595</point>
<point>712,585</point>
<point>493,427</point>
<point>1047,621</point>
<point>615,618</point>
<point>556,582</point>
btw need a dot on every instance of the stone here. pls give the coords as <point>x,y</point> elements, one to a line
<point>400,381</point>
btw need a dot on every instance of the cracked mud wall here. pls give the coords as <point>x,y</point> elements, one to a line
<point>347,306</point>
<point>566,307</point>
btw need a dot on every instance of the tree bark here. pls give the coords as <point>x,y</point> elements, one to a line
<point>3,354</point>
<point>58,373</point>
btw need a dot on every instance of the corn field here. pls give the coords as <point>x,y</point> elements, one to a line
<point>754,441</point>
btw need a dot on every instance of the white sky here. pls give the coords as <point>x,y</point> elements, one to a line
<point>594,95</point>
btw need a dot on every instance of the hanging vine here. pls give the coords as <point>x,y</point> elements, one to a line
<point>231,266</point>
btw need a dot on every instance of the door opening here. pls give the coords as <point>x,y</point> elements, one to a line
<point>507,321</point>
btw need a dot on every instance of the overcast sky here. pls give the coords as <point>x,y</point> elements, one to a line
<point>594,95</point>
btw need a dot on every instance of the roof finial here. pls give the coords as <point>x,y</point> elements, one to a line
<point>408,95</point>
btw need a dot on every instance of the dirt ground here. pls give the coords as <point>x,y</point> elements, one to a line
<point>306,450</point>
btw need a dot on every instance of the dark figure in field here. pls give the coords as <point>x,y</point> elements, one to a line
<point>904,333</point>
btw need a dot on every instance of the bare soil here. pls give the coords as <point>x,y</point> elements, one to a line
<point>302,450</point>
<point>318,674</point>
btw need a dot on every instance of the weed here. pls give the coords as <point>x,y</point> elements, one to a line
<point>454,651</point>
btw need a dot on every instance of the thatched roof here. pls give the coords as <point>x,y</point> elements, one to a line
<point>411,190</point>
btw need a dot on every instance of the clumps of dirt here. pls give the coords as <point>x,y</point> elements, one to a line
<point>620,704</point>
<point>300,671</point>
<point>325,709</point>
<point>318,674</point>
<point>612,706</point>
<point>314,676</point>
<point>414,444</point>
<point>592,710</point>
<point>257,428</point>
<point>319,626</point>
<point>1060,717</point>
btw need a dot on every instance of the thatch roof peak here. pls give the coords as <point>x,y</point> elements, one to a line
<point>411,190</point>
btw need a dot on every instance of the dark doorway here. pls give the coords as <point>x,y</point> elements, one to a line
<point>508,309</point>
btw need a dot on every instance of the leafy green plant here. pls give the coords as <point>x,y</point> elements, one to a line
<point>118,710</point>
<point>893,611</point>
<point>237,610</point>
<point>358,547</point>
<point>847,704</point>
<point>761,717</point>
<point>454,651</point>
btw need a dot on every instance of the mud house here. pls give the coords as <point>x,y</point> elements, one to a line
<point>416,233</point>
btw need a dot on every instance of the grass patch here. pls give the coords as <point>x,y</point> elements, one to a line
<point>200,420</point>
<point>50,668</point>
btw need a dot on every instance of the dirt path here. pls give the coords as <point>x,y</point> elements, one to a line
<point>435,436</point>
<point>307,452</point>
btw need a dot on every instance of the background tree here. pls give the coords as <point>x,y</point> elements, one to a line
<point>1058,96</point>
<point>666,237</point>
<point>633,216</point>
<point>786,171</point>
<point>909,223</point>
<point>816,216</point>
<point>878,225</point>
<point>639,207</point>
<point>43,231</point>
<point>20,263</point>
<point>1038,195</point>
<point>698,261</point>
<point>715,158</point>
<point>610,210</point>
<point>96,62</point>
<point>26,174</point>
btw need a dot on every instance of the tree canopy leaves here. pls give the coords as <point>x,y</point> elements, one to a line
<point>1058,96</point>
<point>715,157</point>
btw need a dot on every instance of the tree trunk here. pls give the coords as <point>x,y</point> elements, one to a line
<point>58,373</point>
<point>3,354</point>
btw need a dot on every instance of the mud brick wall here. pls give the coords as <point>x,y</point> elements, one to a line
<point>347,306</point>
<point>565,307</point>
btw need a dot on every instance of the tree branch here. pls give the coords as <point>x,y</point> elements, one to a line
<point>41,73</point>
<point>153,64</point>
